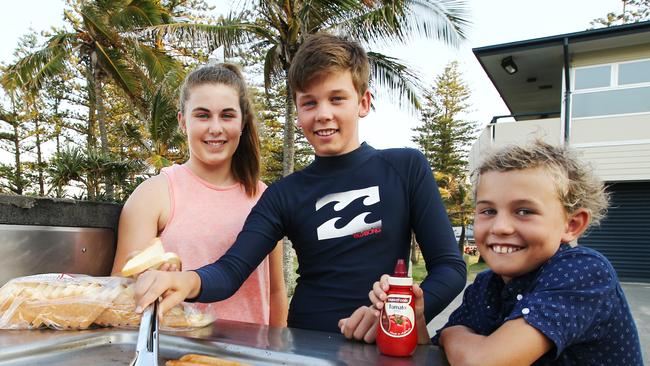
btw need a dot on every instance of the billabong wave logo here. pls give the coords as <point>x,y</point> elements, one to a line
<point>328,231</point>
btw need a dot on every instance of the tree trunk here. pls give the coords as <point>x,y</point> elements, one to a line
<point>90,134</point>
<point>19,172</point>
<point>461,239</point>
<point>19,187</point>
<point>414,250</point>
<point>289,134</point>
<point>39,158</point>
<point>287,168</point>
<point>101,122</point>
<point>92,103</point>
<point>103,135</point>
<point>57,136</point>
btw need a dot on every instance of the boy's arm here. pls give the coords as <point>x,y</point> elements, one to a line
<point>514,343</point>
<point>446,269</point>
<point>221,279</point>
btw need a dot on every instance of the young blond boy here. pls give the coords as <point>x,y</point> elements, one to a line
<point>349,215</point>
<point>542,301</point>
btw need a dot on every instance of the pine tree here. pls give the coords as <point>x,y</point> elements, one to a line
<point>633,11</point>
<point>444,136</point>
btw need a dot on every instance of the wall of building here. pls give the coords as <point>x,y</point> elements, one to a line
<point>618,163</point>
<point>618,147</point>
<point>610,55</point>
<point>517,132</point>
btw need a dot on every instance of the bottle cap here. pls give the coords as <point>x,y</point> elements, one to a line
<point>400,275</point>
<point>400,269</point>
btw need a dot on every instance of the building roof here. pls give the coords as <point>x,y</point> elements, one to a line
<point>537,85</point>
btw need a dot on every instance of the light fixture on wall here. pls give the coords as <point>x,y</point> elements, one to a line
<point>509,65</point>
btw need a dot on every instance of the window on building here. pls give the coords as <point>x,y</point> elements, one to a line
<point>634,72</point>
<point>593,77</point>
<point>612,89</point>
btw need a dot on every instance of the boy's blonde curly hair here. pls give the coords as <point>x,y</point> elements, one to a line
<point>575,183</point>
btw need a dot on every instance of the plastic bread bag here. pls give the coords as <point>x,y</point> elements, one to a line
<point>65,301</point>
<point>57,301</point>
<point>122,314</point>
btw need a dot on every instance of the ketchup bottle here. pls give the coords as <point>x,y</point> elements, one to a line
<point>396,332</point>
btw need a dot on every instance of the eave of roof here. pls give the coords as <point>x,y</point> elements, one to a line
<point>587,35</point>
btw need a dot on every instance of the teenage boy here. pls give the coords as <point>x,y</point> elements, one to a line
<point>542,301</point>
<point>349,214</point>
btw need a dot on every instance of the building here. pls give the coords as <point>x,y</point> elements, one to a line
<point>590,90</point>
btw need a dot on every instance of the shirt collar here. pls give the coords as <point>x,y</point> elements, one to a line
<point>330,164</point>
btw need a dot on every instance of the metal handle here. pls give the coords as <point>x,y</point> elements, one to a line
<point>146,353</point>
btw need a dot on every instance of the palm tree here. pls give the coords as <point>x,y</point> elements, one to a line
<point>73,164</point>
<point>278,27</point>
<point>105,42</point>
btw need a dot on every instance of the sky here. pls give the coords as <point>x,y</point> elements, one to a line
<point>494,22</point>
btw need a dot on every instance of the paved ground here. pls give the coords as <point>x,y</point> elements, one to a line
<point>638,296</point>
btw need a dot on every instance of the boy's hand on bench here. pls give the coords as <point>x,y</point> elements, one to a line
<point>361,325</point>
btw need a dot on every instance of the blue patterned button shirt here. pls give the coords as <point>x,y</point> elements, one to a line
<point>574,299</point>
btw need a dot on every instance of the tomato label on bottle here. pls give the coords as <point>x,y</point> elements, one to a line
<point>397,316</point>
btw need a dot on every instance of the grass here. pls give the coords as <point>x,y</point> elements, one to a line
<point>473,268</point>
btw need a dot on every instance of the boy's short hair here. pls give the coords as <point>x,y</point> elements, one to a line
<point>323,53</point>
<point>575,183</point>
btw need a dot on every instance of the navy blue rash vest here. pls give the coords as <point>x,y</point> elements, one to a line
<point>349,218</point>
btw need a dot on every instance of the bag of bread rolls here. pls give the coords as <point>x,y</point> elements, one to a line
<point>66,301</point>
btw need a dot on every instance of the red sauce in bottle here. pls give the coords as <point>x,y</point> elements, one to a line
<point>396,332</point>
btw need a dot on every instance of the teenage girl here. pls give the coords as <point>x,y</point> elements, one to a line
<point>199,207</point>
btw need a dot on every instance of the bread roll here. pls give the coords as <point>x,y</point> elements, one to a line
<point>64,304</point>
<point>76,302</point>
<point>152,257</point>
<point>199,360</point>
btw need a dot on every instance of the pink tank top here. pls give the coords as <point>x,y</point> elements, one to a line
<point>203,223</point>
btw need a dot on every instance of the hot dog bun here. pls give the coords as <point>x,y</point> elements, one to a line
<point>198,360</point>
<point>152,257</point>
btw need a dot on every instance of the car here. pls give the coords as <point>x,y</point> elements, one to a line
<point>471,249</point>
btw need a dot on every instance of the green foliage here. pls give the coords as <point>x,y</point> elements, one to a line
<point>270,114</point>
<point>106,84</point>
<point>419,271</point>
<point>444,137</point>
<point>13,183</point>
<point>120,70</point>
<point>92,168</point>
<point>633,11</point>
<point>277,29</point>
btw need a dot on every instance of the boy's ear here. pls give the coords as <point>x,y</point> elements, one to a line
<point>181,122</point>
<point>577,223</point>
<point>364,103</point>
